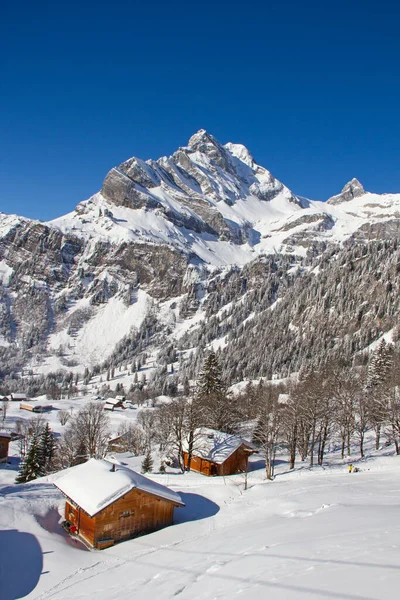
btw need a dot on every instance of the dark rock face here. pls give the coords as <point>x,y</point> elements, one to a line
<point>52,271</point>
<point>323,222</point>
<point>40,252</point>
<point>120,190</point>
<point>385,230</point>
<point>351,190</point>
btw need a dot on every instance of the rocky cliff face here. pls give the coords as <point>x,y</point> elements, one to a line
<point>153,241</point>
<point>352,189</point>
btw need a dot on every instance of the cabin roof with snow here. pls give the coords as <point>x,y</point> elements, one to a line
<point>96,484</point>
<point>215,446</point>
<point>19,396</point>
<point>114,401</point>
<point>5,434</point>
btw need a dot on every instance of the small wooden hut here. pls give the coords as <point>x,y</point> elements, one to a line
<point>217,453</point>
<point>4,443</point>
<point>18,397</point>
<point>108,503</point>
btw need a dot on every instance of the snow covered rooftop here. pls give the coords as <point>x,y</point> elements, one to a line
<point>214,445</point>
<point>5,434</point>
<point>114,401</point>
<point>95,485</point>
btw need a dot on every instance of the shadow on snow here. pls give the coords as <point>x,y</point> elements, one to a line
<point>21,563</point>
<point>196,508</point>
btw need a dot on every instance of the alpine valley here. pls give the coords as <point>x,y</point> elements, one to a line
<point>203,249</point>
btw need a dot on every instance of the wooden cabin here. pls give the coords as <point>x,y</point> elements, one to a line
<point>112,403</point>
<point>217,453</point>
<point>108,503</point>
<point>18,397</point>
<point>4,443</point>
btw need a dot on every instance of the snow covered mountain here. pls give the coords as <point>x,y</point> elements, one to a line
<point>155,243</point>
<point>215,203</point>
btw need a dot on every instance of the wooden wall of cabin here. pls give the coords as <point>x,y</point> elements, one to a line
<point>235,463</point>
<point>200,465</point>
<point>84,524</point>
<point>4,442</point>
<point>132,515</point>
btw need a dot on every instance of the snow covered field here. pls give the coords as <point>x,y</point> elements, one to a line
<point>323,533</point>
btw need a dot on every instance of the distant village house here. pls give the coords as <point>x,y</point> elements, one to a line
<point>4,443</point>
<point>18,397</point>
<point>108,503</point>
<point>217,453</point>
<point>117,402</point>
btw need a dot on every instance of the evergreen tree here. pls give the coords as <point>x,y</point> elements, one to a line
<point>380,365</point>
<point>210,381</point>
<point>213,399</point>
<point>31,467</point>
<point>147,463</point>
<point>46,449</point>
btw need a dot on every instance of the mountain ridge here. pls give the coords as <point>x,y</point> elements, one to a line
<point>147,252</point>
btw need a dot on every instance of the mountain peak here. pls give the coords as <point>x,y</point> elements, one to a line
<point>207,144</point>
<point>352,189</point>
<point>201,137</point>
<point>355,187</point>
<point>204,142</point>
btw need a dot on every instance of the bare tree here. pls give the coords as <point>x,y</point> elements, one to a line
<point>146,420</point>
<point>290,427</point>
<point>131,438</point>
<point>87,433</point>
<point>268,427</point>
<point>344,386</point>
<point>177,423</point>
<point>362,412</point>
<point>63,416</point>
<point>4,408</point>
<point>27,429</point>
<point>393,404</point>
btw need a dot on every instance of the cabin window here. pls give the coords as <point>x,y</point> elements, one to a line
<point>2,445</point>
<point>126,513</point>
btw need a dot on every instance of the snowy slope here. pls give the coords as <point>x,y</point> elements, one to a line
<point>309,534</point>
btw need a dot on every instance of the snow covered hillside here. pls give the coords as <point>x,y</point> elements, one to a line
<point>323,533</point>
<point>139,263</point>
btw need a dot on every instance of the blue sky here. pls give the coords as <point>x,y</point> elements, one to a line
<point>311,88</point>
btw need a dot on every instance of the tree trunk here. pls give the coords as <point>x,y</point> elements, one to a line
<point>377,436</point>
<point>362,445</point>
<point>322,445</point>
<point>312,446</point>
<point>292,454</point>
<point>190,449</point>
<point>396,441</point>
<point>343,446</point>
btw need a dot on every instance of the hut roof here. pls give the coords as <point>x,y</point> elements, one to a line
<point>114,401</point>
<point>215,446</point>
<point>18,396</point>
<point>5,434</point>
<point>95,485</point>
